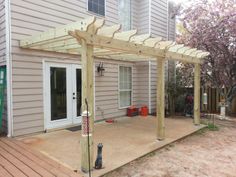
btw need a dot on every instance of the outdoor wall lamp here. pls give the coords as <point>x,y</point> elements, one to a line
<point>100,69</point>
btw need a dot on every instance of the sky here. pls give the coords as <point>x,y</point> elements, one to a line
<point>182,2</point>
<point>179,1</point>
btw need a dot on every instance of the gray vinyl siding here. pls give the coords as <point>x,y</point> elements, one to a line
<point>159,18</point>
<point>171,36</point>
<point>2,33</point>
<point>153,84</point>
<point>171,22</point>
<point>143,16</point>
<point>152,14</point>
<point>140,15</point>
<point>140,84</point>
<point>134,14</point>
<point>172,29</point>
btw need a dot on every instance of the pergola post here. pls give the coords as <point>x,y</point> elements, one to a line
<point>87,93</point>
<point>197,94</point>
<point>160,99</point>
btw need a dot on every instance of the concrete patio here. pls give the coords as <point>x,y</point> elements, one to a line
<point>124,141</point>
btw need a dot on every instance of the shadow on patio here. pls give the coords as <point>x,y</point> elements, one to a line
<point>125,140</point>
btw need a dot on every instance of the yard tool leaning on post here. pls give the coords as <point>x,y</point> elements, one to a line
<point>86,132</point>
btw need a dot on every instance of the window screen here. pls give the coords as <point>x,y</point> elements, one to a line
<point>125,86</point>
<point>97,6</point>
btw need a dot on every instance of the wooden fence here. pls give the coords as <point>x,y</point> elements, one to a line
<point>213,100</point>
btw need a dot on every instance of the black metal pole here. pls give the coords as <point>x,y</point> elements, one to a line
<point>86,102</point>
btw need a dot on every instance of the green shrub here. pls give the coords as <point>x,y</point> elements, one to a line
<point>212,127</point>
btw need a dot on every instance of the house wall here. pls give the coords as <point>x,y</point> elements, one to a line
<point>140,84</point>
<point>159,18</point>
<point>106,90</point>
<point>2,33</point>
<point>134,14</point>
<point>154,82</point>
<point>143,16</point>
<point>28,90</point>
<point>140,15</point>
<point>171,22</point>
<point>31,17</point>
<point>171,36</point>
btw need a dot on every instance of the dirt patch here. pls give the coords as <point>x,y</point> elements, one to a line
<point>207,153</point>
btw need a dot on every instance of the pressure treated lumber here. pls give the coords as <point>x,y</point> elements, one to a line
<point>87,93</point>
<point>197,94</point>
<point>57,33</point>
<point>160,100</point>
<point>96,33</point>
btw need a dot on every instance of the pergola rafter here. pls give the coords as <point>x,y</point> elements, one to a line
<point>63,39</point>
<point>91,38</point>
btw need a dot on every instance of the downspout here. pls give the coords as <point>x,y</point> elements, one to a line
<point>9,67</point>
<point>149,62</point>
<point>149,87</point>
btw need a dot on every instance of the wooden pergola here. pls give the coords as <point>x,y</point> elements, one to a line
<point>91,38</point>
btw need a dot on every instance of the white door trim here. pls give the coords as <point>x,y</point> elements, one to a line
<point>72,118</point>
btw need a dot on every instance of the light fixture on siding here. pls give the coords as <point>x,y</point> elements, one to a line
<point>100,69</point>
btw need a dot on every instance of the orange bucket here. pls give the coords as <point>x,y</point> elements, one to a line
<point>144,111</point>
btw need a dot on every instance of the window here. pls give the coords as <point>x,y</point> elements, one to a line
<point>125,86</point>
<point>97,6</point>
<point>125,14</point>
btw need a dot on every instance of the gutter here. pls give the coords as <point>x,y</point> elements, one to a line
<point>9,66</point>
<point>149,86</point>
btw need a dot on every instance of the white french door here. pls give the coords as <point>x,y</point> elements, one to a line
<point>62,84</point>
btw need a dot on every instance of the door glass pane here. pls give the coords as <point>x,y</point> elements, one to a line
<point>79,94</point>
<point>58,93</point>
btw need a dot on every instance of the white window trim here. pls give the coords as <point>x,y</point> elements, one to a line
<point>126,89</point>
<point>99,15</point>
